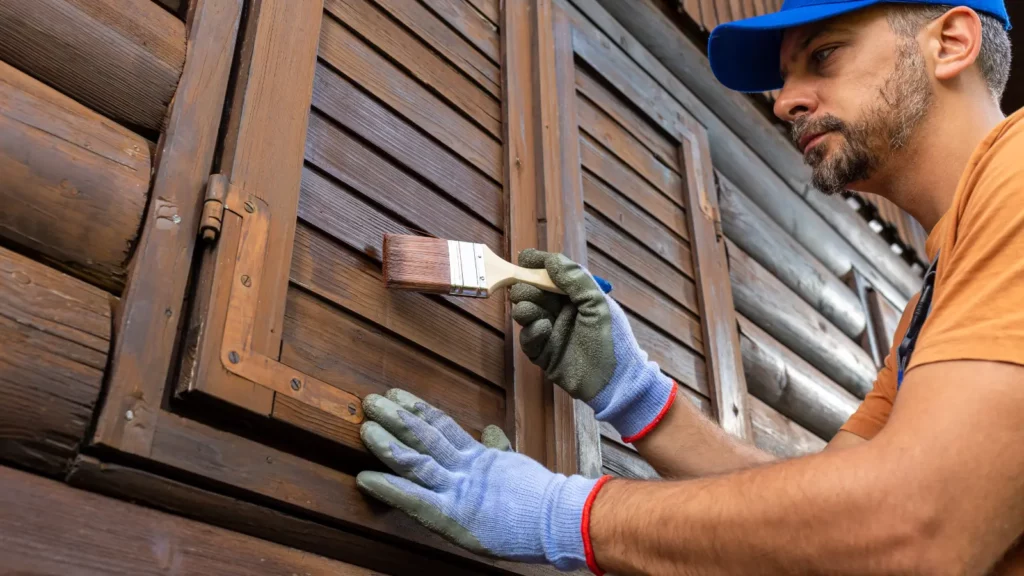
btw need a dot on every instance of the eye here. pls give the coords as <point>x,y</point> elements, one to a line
<point>820,56</point>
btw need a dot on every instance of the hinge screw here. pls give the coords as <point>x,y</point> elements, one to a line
<point>129,415</point>
<point>246,281</point>
<point>352,409</point>
<point>296,384</point>
<point>233,357</point>
<point>249,206</point>
<point>176,219</point>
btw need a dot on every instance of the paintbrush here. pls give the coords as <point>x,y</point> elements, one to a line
<point>439,266</point>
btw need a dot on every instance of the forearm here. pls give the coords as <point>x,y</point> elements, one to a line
<point>686,444</point>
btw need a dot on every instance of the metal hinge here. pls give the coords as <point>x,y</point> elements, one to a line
<point>213,207</point>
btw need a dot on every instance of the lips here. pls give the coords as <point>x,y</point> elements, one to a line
<point>807,142</point>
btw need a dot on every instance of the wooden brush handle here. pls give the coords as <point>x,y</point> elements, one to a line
<point>501,273</point>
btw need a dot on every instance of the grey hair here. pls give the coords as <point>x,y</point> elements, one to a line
<point>994,57</point>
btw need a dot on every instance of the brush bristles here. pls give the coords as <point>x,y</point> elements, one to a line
<point>417,263</point>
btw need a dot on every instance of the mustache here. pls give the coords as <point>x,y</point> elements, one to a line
<point>807,125</point>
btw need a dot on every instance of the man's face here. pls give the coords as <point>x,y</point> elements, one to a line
<point>854,92</point>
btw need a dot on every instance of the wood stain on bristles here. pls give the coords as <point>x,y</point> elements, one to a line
<point>417,263</point>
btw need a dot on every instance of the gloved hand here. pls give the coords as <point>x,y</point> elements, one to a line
<point>584,344</point>
<point>487,499</point>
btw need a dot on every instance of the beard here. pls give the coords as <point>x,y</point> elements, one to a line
<point>885,127</point>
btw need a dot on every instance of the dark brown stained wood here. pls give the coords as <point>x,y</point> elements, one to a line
<point>626,251</point>
<point>73,184</point>
<point>790,385</point>
<point>603,129</point>
<point>346,53</point>
<point>337,98</point>
<point>470,23</point>
<point>711,264</point>
<point>778,435</point>
<point>638,224</point>
<point>266,134</point>
<point>768,303</point>
<point>639,298</point>
<point>653,138</point>
<point>51,528</point>
<point>753,231</point>
<point>151,308</point>
<point>336,274</point>
<point>338,348</point>
<point>679,362</point>
<point>625,463</point>
<point>347,217</point>
<point>55,336</point>
<point>290,481</point>
<point>611,171</point>
<point>181,499</point>
<point>447,42</point>
<point>404,49</point>
<point>122,58</point>
<point>489,8</point>
<point>374,176</point>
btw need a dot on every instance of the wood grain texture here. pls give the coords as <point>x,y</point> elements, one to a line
<point>753,231</point>
<point>448,43</point>
<point>775,308</point>
<point>355,59</point>
<point>51,528</point>
<point>790,385</point>
<point>412,55</point>
<point>778,435</point>
<point>73,184</point>
<point>337,347</point>
<point>344,103</point>
<point>348,280</point>
<point>340,212</point>
<point>489,9</point>
<point>680,363</point>
<point>234,514</point>
<point>625,463</point>
<point>55,336</point>
<point>470,23</point>
<point>151,308</point>
<point>886,318</point>
<point>121,58</point>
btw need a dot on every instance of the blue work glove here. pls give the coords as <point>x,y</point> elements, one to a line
<point>584,344</point>
<point>486,499</point>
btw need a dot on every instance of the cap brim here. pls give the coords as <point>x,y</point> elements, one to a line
<point>744,54</point>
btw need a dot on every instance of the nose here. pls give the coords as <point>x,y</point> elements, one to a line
<point>796,99</point>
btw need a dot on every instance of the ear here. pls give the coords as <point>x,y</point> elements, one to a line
<point>954,42</point>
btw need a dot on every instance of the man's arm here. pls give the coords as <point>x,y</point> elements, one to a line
<point>936,492</point>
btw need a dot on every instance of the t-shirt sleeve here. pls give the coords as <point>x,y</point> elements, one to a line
<point>978,307</point>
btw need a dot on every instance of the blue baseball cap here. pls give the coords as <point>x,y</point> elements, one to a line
<point>744,54</point>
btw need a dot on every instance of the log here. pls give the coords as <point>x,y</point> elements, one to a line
<point>791,386</point>
<point>760,237</point>
<point>73,184</point>
<point>778,435</point>
<point>121,58</point>
<point>51,528</point>
<point>619,460</point>
<point>737,118</point>
<point>54,337</point>
<point>775,308</point>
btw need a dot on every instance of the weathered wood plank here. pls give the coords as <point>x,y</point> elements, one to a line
<point>776,309</point>
<point>73,184</point>
<point>358,61</point>
<point>342,277</point>
<point>55,336</point>
<point>357,223</point>
<point>122,58</point>
<point>490,10</point>
<point>51,528</point>
<point>151,308</point>
<point>886,319</point>
<point>682,364</point>
<point>423,64</point>
<point>753,231</point>
<point>623,462</point>
<point>779,435</point>
<point>447,42</point>
<point>471,24</point>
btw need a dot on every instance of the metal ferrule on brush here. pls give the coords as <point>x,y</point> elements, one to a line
<point>466,261</point>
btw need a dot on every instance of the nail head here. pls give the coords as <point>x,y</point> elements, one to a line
<point>249,206</point>
<point>296,384</point>
<point>233,357</point>
<point>246,280</point>
<point>129,415</point>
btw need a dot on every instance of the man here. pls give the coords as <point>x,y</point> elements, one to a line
<point>898,99</point>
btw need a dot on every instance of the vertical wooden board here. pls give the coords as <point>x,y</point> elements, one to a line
<point>470,23</point>
<point>151,308</point>
<point>721,340</point>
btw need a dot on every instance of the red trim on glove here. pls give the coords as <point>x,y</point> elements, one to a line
<point>664,410</point>
<point>588,548</point>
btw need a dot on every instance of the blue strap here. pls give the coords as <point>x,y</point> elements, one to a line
<point>921,311</point>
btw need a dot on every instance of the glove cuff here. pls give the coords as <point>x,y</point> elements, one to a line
<point>566,530</point>
<point>637,404</point>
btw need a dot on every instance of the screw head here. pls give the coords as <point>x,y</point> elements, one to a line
<point>352,409</point>
<point>249,206</point>
<point>296,384</point>
<point>233,357</point>
<point>176,219</point>
<point>168,312</point>
<point>246,281</point>
<point>129,415</point>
